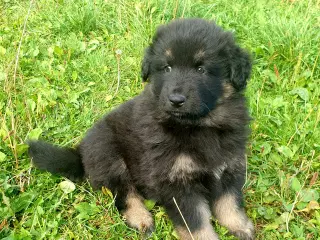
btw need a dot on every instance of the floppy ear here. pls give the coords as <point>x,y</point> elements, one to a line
<point>241,65</point>
<point>145,68</point>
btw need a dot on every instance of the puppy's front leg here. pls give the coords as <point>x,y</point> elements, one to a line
<point>230,214</point>
<point>194,224</point>
<point>136,214</point>
<point>227,206</point>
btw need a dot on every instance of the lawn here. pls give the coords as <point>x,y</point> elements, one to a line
<point>64,64</point>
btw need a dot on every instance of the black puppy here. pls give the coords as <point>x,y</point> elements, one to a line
<point>182,138</point>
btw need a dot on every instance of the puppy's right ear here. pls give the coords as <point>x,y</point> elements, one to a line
<point>241,65</point>
<point>146,62</point>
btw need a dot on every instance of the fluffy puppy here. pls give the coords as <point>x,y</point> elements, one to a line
<point>183,138</point>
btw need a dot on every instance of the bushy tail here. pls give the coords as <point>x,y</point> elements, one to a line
<point>57,160</point>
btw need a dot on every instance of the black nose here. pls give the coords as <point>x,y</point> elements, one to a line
<point>177,100</point>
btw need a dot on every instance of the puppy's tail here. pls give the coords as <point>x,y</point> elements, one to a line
<point>57,160</point>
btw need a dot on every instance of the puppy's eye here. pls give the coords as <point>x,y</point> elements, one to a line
<point>200,69</point>
<point>167,68</point>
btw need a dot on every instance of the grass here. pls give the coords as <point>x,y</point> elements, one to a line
<point>66,78</point>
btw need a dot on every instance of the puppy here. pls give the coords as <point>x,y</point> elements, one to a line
<point>183,138</point>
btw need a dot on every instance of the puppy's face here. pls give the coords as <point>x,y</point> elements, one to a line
<point>192,64</point>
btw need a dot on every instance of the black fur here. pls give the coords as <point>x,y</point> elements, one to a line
<point>136,146</point>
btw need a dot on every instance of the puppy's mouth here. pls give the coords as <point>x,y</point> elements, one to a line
<point>183,115</point>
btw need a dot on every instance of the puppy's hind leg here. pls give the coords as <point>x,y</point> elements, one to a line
<point>127,199</point>
<point>112,172</point>
<point>105,166</point>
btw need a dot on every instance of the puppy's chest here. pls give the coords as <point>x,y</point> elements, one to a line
<point>185,168</point>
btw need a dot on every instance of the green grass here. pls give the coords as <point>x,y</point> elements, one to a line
<point>66,79</point>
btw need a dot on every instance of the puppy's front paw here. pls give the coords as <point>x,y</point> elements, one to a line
<point>137,216</point>
<point>246,233</point>
<point>204,233</point>
<point>229,214</point>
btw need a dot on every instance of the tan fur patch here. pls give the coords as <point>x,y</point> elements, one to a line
<point>206,231</point>
<point>222,115</point>
<point>228,214</point>
<point>136,214</point>
<point>183,168</point>
<point>168,53</point>
<point>228,90</point>
<point>199,55</point>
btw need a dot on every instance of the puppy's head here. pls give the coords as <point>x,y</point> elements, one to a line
<point>192,64</point>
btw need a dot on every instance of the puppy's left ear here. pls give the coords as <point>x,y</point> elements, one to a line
<point>146,62</point>
<point>241,65</point>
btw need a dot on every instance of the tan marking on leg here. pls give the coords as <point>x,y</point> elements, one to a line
<point>136,214</point>
<point>228,214</point>
<point>205,232</point>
